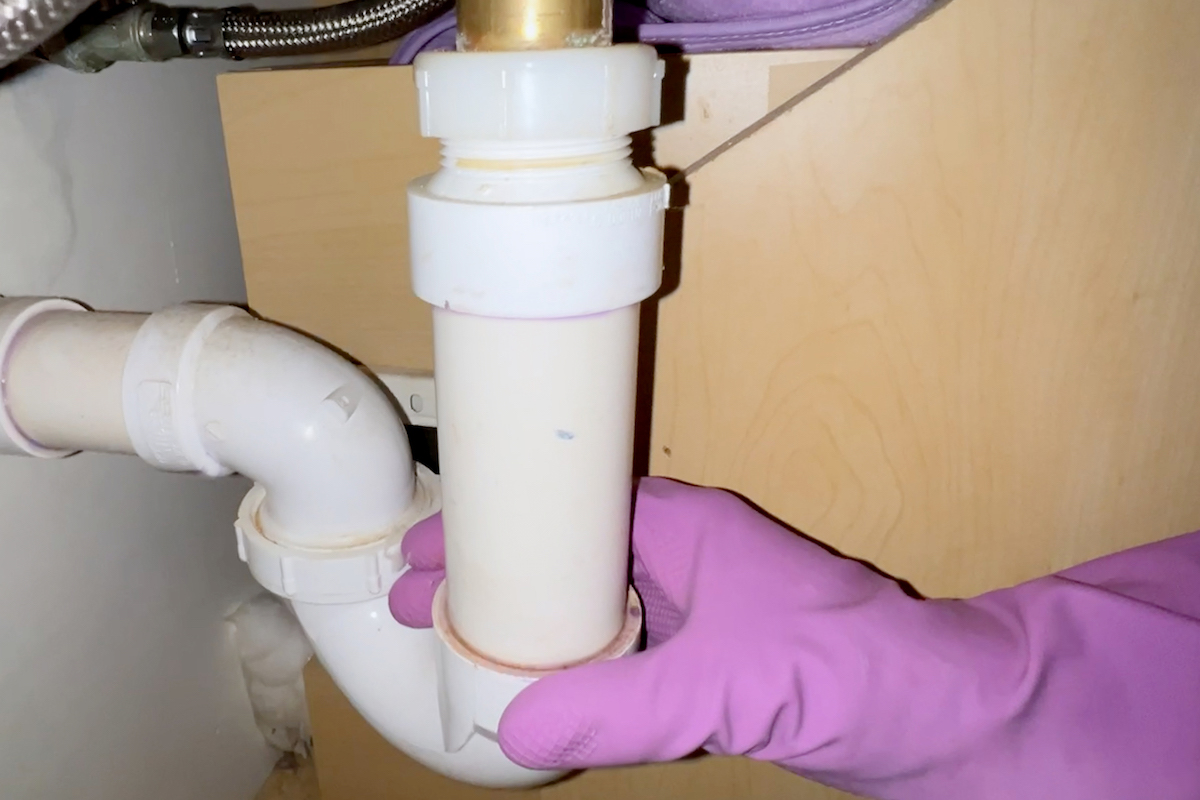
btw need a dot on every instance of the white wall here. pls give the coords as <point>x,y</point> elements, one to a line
<point>116,675</point>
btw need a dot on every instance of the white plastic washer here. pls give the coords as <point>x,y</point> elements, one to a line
<point>330,577</point>
<point>15,313</point>
<point>473,692</point>
<point>158,387</point>
<point>575,93</point>
<point>538,260</point>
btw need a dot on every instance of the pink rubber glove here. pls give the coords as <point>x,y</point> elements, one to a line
<point>1083,685</point>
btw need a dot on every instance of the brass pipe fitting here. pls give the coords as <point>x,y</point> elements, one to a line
<point>533,24</point>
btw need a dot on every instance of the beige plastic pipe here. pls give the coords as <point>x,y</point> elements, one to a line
<point>535,336</point>
<point>66,380</point>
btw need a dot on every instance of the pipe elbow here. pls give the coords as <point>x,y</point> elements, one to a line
<point>211,389</point>
<point>308,426</point>
<point>214,390</point>
<point>392,677</point>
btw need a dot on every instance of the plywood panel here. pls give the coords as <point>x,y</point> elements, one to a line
<point>319,161</point>
<point>943,313</point>
<point>711,98</point>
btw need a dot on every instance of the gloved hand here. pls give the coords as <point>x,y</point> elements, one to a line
<point>1084,685</point>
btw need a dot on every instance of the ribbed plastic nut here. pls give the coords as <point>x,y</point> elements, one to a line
<point>158,387</point>
<point>578,93</point>
<point>538,260</point>
<point>473,692</point>
<point>330,577</point>
<point>15,314</point>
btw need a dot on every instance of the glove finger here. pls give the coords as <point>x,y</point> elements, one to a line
<point>424,545</point>
<point>411,598</point>
<point>640,709</point>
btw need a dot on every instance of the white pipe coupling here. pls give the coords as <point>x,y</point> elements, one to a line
<point>575,93</point>
<point>334,576</point>
<point>15,314</point>
<point>538,260</point>
<point>159,388</point>
<point>473,692</point>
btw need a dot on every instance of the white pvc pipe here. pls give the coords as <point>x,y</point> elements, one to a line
<point>212,389</point>
<point>390,674</point>
<point>535,431</point>
<point>315,431</point>
<point>64,379</point>
<point>534,243</point>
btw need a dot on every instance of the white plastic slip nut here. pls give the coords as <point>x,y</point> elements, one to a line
<point>473,692</point>
<point>158,388</point>
<point>538,260</point>
<point>15,313</point>
<point>577,93</point>
<point>334,576</point>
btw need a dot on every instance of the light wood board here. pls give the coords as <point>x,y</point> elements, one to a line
<point>943,313</point>
<point>319,162</point>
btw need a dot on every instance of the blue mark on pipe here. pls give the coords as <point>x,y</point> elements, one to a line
<point>566,436</point>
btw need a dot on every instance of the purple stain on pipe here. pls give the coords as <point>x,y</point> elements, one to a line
<point>707,26</point>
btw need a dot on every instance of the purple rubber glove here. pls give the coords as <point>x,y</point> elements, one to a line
<point>1084,685</point>
<point>705,26</point>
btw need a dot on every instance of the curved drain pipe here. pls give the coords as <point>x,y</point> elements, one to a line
<point>212,390</point>
<point>566,242</point>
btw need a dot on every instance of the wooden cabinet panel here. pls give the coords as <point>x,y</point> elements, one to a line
<point>943,313</point>
<point>319,162</point>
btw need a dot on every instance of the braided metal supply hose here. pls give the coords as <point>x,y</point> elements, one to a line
<point>153,32</point>
<point>26,24</point>
<point>249,33</point>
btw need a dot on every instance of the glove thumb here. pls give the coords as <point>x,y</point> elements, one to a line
<point>642,708</point>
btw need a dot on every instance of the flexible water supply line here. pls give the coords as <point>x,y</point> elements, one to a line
<point>250,33</point>
<point>26,24</point>
<point>154,32</point>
